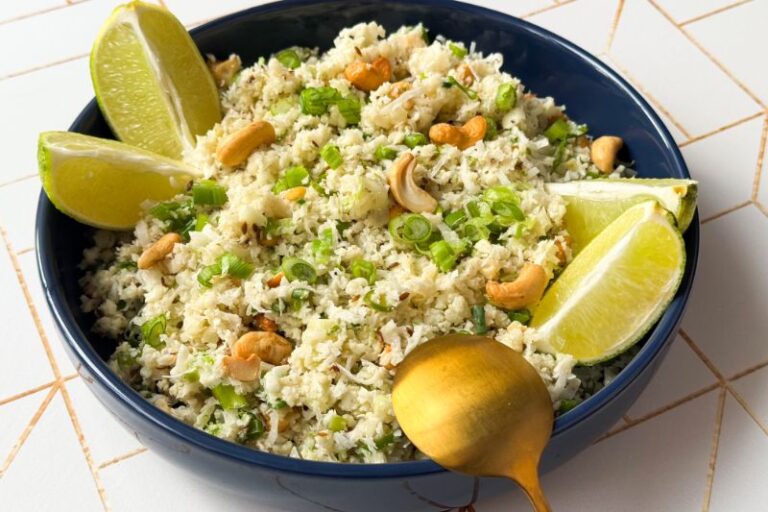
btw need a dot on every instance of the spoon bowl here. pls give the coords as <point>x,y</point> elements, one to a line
<point>476,406</point>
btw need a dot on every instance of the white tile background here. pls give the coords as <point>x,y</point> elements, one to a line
<point>695,440</point>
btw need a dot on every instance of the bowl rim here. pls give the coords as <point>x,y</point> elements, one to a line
<point>94,366</point>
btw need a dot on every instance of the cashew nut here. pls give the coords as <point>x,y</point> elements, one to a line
<point>295,193</point>
<point>604,150</point>
<point>158,250</point>
<point>268,346</point>
<point>264,323</point>
<point>404,188</point>
<point>236,148</point>
<point>274,281</point>
<point>245,370</point>
<point>460,136</point>
<point>224,71</point>
<point>524,291</point>
<point>369,76</point>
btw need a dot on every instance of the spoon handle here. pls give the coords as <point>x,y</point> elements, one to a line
<point>527,477</point>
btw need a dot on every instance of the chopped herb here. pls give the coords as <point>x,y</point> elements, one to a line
<point>478,318</point>
<point>316,100</point>
<point>233,266</point>
<point>207,273</point>
<point>414,139</point>
<point>384,441</point>
<point>363,268</point>
<point>451,81</point>
<point>492,129</point>
<point>208,192</point>
<point>458,50</point>
<point>289,59</point>
<point>521,315</point>
<point>298,269</point>
<point>128,264</point>
<point>380,305</point>
<point>331,155</point>
<point>228,397</point>
<point>349,108</point>
<point>254,429</point>
<point>506,97</point>
<point>455,219</point>
<point>279,404</point>
<point>384,153</point>
<point>151,331</point>
<point>337,424</point>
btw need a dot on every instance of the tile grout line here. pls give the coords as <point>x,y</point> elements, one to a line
<point>648,96</point>
<point>701,355</point>
<point>545,9</point>
<point>725,212</point>
<point>41,11</point>
<point>760,159</point>
<point>42,66</point>
<point>747,371</point>
<point>121,458</point>
<point>18,180</point>
<point>733,124</point>
<point>713,451</point>
<point>747,408</point>
<point>712,13</point>
<point>614,26</point>
<point>84,446</point>
<point>707,54</point>
<point>24,251</point>
<point>28,429</point>
<point>26,393</point>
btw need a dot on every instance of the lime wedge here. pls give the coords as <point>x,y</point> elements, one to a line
<point>151,82</point>
<point>593,204</point>
<point>101,182</point>
<point>615,289</point>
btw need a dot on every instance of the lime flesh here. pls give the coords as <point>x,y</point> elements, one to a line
<point>591,205</point>
<point>151,82</point>
<point>103,183</point>
<point>615,289</point>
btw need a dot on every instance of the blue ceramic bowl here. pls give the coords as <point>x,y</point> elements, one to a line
<point>548,65</point>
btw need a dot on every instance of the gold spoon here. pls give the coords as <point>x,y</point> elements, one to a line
<point>476,406</point>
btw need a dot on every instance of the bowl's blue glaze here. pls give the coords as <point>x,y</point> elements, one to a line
<point>548,65</point>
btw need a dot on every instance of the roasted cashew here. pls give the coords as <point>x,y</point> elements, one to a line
<point>236,148</point>
<point>604,150</point>
<point>264,323</point>
<point>158,250</point>
<point>274,281</point>
<point>369,76</point>
<point>524,291</point>
<point>404,188</point>
<point>224,71</point>
<point>245,370</point>
<point>460,136</point>
<point>268,346</point>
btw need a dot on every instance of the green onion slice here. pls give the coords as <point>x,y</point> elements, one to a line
<point>363,268</point>
<point>228,397</point>
<point>521,315</point>
<point>207,273</point>
<point>208,192</point>
<point>381,305</point>
<point>414,139</point>
<point>316,100</point>
<point>478,318</point>
<point>233,266</point>
<point>331,155</point>
<point>299,269</point>
<point>506,97</point>
<point>289,59</point>
<point>152,329</point>
<point>384,153</point>
<point>349,108</point>
<point>451,81</point>
<point>458,50</point>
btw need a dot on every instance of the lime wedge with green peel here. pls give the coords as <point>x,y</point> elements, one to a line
<point>593,204</point>
<point>611,294</point>
<point>150,80</point>
<point>103,183</point>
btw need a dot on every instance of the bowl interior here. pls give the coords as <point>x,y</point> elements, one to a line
<point>547,65</point>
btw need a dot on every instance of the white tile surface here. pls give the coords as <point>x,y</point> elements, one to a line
<point>14,419</point>
<point>34,103</point>
<point>683,10</point>
<point>658,465</point>
<point>681,374</point>
<point>727,311</point>
<point>725,165</point>
<point>732,38</point>
<point>18,204</point>
<point>29,269</point>
<point>14,10</point>
<point>50,471</point>
<point>106,438</point>
<point>675,72</point>
<point>754,389</point>
<point>23,365</point>
<point>592,36</point>
<point>742,463</point>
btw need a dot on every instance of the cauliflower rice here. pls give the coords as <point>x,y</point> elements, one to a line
<point>350,326</point>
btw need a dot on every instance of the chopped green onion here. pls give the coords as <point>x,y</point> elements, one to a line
<point>414,139</point>
<point>454,219</point>
<point>559,130</point>
<point>233,266</point>
<point>480,210</point>
<point>508,210</point>
<point>493,194</point>
<point>410,228</point>
<point>289,59</point>
<point>475,230</point>
<point>281,106</point>
<point>298,269</point>
<point>191,376</point>
<point>316,100</point>
<point>451,81</point>
<point>129,264</point>
<point>278,307</point>
<point>521,315</point>
<point>384,441</point>
<point>207,273</point>
<point>443,255</point>
<point>349,108</point>
<point>254,429</point>
<point>200,221</point>
<point>152,329</point>
<point>559,155</point>
<point>322,247</point>
<point>506,97</point>
<point>209,192</point>
<point>492,129</point>
<point>363,268</point>
<point>384,153</point>
<point>228,397</point>
<point>337,424</point>
<point>125,359</point>
<point>298,297</point>
<point>458,51</point>
<point>377,306</point>
<point>178,216</point>
<point>331,155</point>
<point>295,176</point>
<point>478,317</point>
<point>279,404</point>
<point>567,404</point>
